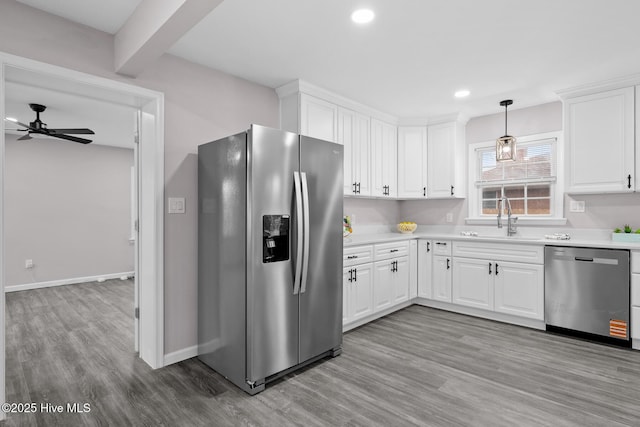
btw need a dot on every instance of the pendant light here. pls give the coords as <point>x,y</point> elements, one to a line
<point>506,145</point>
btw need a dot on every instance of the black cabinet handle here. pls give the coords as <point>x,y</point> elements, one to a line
<point>393,250</point>
<point>441,243</point>
<point>496,268</point>
<point>448,265</point>
<point>629,181</point>
<point>489,268</point>
<point>358,188</point>
<point>428,249</point>
<point>452,190</point>
<point>352,256</point>
<point>355,274</point>
<point>351,275</point>
<point>424,191</point>
<point>354,188</point>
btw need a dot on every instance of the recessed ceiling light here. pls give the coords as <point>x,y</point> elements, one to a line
<point>362,16</point>
<point>462,93</point>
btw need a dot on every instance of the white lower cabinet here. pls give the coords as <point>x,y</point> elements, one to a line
<point>473,282</point>
<point>519,289</point>
<point>376,279</point>
<point>357,292</point>
<point>442,278</point>
<point>383,288</point>
<point>501,286</point>
<point>425,268</point>
<point>391,282</point>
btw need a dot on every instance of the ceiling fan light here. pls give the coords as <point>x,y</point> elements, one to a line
<point>11,119</point>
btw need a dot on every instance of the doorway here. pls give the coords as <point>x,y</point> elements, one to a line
<point>150,183</point>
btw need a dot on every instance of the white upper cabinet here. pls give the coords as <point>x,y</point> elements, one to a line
<point>318,118</point>
<point>412,162</point>
<point>600,142</point>
<point>384,148</point>
<point>354,134</point>
<point>445,161</point>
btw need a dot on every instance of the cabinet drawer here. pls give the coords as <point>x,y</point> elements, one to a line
<point>635,262</point>
<point>357,255</point>
<point>391,250</point>
<point>533,254</point>
<point>635,289</point>
<point>442,247</point>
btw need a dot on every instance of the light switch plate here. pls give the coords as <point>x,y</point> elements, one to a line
<point>176,205</point>
<point>576,206</point>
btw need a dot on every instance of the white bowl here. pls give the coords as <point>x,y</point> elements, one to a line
<point>407,228</point>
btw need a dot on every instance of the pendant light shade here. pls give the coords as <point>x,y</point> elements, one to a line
<point>506,145</point>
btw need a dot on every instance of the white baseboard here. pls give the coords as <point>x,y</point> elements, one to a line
<point>180,355</point>
<point>73,281</point>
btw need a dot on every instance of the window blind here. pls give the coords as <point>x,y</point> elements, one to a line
<point>535,162</point>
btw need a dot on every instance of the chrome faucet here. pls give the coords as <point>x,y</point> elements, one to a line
<point>512,227</point>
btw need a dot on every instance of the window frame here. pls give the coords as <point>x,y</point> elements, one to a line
<point>556,186</point>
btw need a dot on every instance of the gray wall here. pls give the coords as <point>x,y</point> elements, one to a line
<point>200,105</point>
<point>67,207</point>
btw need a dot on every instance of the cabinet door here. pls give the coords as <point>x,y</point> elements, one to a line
<point>401,280</point>
<point>425,269</point>
<point>600,142</point>
<point>362,295</point>
<point>353,133</point>
<point>473,282</point>
<point>346,296</point>
<point>440,160</point>
<point>362,154</point>
<point>519,289</point>
<point>442,278</point>
<point>383,292</point>
<point>413,269</point>
<point>346,136</point>
<point>318,118</point>
<point>384,152</point>
<point>412,162</point>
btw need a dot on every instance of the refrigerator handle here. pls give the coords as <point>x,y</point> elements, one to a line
<point>305,210</point>
<point>299,222</point>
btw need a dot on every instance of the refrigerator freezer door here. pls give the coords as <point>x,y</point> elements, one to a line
<point>272,306</point>
<point>321,301</point>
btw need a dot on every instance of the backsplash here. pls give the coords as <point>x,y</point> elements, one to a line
<point>602,212</point>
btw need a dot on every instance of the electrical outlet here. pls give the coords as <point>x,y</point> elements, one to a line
<point>449,217</point>
<point>28,263</point>
<point>576,206</point>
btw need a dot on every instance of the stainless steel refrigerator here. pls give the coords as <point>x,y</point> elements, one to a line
<point>269,254</point>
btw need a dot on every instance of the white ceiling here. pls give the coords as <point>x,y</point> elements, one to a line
<point>414,55</point>
<point>107,16</point>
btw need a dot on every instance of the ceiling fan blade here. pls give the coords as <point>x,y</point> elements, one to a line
<point>72,131</point>
<point>19,124</point>
<point>24,137</point>
<point>70,138</point>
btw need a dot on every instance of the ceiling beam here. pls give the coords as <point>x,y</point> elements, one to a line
<point>153,28</point>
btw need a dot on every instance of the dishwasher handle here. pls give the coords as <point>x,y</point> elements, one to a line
<point>583,259</point>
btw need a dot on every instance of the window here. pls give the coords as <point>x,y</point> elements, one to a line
<point>529,182</point>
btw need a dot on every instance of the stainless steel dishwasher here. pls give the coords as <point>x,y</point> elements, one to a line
<point>587,290</point>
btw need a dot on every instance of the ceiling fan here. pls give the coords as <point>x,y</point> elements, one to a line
<point>38,127</point>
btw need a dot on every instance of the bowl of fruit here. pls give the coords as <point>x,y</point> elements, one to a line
<point>407,227</point>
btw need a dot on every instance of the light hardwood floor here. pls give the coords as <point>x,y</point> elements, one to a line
<point>419,366</point>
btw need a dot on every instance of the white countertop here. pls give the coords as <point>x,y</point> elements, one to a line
<point>367,239</point>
